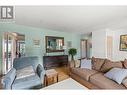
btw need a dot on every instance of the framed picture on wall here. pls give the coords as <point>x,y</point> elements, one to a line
<point>36,42</point>
<point>123,42</point>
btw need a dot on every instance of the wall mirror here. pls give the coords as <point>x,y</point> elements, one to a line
<point>54,44</point>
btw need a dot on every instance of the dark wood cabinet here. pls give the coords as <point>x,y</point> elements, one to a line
<point>55,61</point>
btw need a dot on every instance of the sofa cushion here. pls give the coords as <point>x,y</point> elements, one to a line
<point>22,62</point>
<point>102,82</point>
<point>25,72</point>
<point>110,64</point>
<point>26,83</point>
<point>117,74</point>
<point>9,78</point>
<point>97,63</point>
<point>84,73</point>
<point>125,63</point>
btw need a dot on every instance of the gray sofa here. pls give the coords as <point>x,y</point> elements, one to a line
<point>14,80</point>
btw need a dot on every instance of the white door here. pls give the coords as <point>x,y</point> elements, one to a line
<point>109,47</point>
<point>83,48</point>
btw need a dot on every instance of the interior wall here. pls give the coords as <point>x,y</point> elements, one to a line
<point>117,54</point>
<point>37,33</point>
<point>99,43</point>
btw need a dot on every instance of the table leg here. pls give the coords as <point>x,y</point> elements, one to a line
<point>45,80</point>
<point>57,78</point>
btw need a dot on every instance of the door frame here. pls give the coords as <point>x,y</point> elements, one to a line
<point>4,64</point>
<point>81,47</point>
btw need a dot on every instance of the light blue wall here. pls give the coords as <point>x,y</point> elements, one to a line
<point>33,33</point>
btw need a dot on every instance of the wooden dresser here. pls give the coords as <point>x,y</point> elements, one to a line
<point>55,61</point>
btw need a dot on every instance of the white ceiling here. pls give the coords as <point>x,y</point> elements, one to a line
<point>79,19</point>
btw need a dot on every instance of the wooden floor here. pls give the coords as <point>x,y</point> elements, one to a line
<point>62,73</point>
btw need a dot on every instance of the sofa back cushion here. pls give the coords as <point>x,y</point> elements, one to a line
<point>97,63</point>
<point>9,78</point>
<point>125,63</point>
<point>110,64</point>
<point>22,62</point>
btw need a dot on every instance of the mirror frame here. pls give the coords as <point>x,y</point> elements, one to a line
<point>46,41</point>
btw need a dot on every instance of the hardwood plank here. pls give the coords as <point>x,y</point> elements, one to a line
<point>62,73</point>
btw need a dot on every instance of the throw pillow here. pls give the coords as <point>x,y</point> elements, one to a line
<point>125,63</point>
<point>97,63</point>
<point>117,74</point>
<point>86,63</point>
<point>110,64</point>
<point>39,70</point>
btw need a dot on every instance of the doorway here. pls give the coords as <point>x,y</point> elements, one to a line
<point>83,48</point>
<point>86,48</point>
<point>13,47</point>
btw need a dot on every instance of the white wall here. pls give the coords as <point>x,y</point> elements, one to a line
<point>109,43</point>
<point>117,54</point>
<point>99,43</point>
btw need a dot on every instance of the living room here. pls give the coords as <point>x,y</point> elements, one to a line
<point>93,33</point>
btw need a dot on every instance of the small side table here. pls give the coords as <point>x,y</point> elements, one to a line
<point>50,77</point>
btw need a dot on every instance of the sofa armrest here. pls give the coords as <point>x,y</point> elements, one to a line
<point>71,64</point>
<point>74,63</point>
<point>41,72</point>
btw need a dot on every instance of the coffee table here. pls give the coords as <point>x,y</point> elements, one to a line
<point>68,84</point>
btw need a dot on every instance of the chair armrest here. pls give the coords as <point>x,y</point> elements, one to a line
<point>9,79</point>
<point>40,71</point>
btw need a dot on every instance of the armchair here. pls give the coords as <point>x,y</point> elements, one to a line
<point>36,80</point>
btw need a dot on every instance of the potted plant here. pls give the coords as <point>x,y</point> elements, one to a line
<point>72,52</point>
